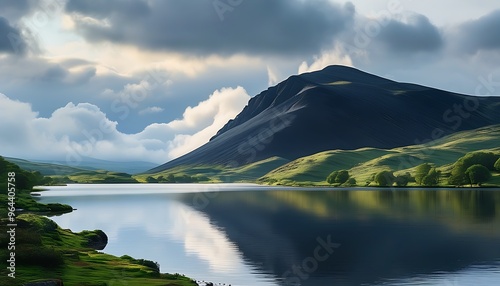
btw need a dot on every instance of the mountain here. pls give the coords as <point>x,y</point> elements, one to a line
<point>338,108</point>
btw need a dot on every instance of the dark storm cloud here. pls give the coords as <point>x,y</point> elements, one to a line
<point>480,34</point>
<point>417,35</point>
<point>102,9</point>
<point>253,27</point>
<point>11,40</point>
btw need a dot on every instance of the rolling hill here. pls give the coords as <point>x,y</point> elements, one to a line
<point>63,168</point>
<point>364,163</point>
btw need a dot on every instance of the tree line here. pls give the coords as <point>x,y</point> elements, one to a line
<point>474,168</point>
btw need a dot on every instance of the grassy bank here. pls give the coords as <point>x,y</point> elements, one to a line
<point>44,251</point>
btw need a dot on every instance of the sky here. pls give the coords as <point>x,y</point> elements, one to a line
<point>146,80</point>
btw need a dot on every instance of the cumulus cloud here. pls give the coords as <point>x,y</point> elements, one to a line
<point>272,77</point>
<point>223,104</point>
<point>83,130</point>
<point>253,27</point>
<point>335,56</point>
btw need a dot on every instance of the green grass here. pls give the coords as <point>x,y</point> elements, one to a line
<point>45,251</point>
<point>44,168</point>
<point>363,163</point>
<point>25,201</point>
<point>315,168</point>
<point>222,174</point>
<point>97,177</point>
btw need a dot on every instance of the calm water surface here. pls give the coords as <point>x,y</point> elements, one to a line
<point>246,234</point>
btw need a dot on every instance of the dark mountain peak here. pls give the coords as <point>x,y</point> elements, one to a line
<point>339,108</point>
<point>337,73</point>
<point>296,85</point>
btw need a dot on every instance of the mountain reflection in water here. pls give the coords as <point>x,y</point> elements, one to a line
<point>382,235</point>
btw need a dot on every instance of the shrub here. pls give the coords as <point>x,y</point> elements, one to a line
<point>351,182</point>
<point>338,177</point>
<point>385,178</point>
<point>151,180</point>
<point>421,171</point>
<point>432,178</point>
<point>478,174</point>
<point>497,165</point>
<point>403,180</point>
<point>155,266</point>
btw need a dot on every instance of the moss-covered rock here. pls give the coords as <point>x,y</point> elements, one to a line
<point>96,239</point>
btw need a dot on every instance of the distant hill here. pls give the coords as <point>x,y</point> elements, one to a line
<point>45,169</point>
<point>54,167</point>
<point>337,108</point>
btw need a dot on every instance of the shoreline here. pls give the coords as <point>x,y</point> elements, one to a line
<point>76,254</point>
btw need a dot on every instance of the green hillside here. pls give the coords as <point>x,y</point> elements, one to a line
<point>362,164</point>
<point>45,169</point>
<point>61,174</point>
<point>98,177</point>
<point>218,174</point>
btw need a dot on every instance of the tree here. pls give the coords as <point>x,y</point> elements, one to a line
<point>477,174</point>
<point>403,180</point>
<point>421,171</point>
<point>151,180</point>
<point>171,178</point>
<point>338,177</point>
<point>351,182</point>
<point>385,178</point>
<point>458,176</point>
<point>342,177</point>
<point>331,178</point>
<point>497,165</point>
<point>432,178</point>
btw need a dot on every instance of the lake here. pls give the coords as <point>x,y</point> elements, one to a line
<point>245,234</point>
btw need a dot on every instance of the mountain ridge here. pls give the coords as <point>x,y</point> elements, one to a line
<point>339,108</point>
